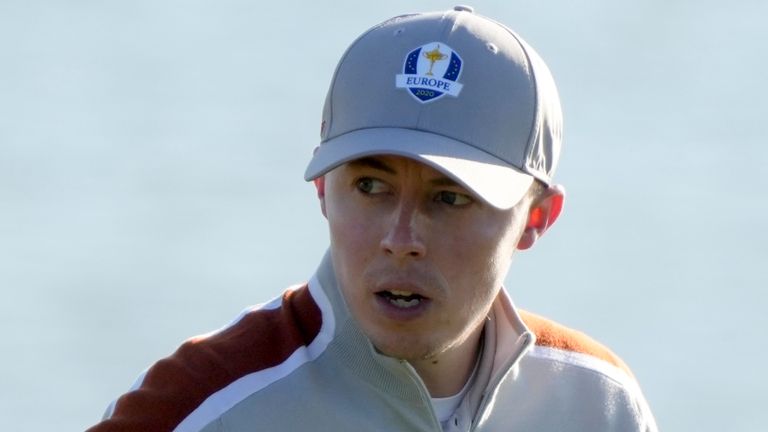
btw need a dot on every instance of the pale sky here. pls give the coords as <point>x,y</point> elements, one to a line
<point>151,161</point>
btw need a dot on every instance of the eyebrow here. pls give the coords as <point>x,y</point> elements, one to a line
<point>378,164</point>
<point>371,162</point>
<point>445,181</point>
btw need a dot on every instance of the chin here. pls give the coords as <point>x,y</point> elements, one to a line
<point>404,348</point>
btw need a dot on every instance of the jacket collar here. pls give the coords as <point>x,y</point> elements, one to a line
<point>506,339</point>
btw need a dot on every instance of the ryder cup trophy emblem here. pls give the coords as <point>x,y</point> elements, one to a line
<point>430,72</point>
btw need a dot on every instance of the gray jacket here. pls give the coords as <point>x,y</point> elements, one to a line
<point>300,363</point>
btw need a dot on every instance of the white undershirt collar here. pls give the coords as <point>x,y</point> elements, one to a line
<point>445,406</point>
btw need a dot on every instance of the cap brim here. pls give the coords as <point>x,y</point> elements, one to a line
<point>493,180</point>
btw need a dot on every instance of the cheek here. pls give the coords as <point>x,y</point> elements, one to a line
<point>503,231</point>
<point>348,228</point>
<point>486,249</point>
<point>479,269</point>
<point>352,241</point>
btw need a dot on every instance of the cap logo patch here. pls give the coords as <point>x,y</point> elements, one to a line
<point>430,72</point>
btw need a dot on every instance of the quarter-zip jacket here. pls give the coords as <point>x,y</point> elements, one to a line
<point>300,363</point>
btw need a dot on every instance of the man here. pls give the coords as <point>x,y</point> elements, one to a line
<point>441,132</point>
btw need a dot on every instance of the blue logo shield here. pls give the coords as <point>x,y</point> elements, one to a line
<point>430,72</point>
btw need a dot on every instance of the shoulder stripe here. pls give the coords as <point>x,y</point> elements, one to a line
<point>229,396</point>
<point>585,361</point>
<point>557,336</point>
<point>209,374</point>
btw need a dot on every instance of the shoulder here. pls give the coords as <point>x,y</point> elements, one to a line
<point>556,340</point>
<point>261,339</point>
<point>570,381</point>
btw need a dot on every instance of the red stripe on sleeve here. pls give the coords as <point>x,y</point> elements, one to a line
<point>173,387</point>
<point>554,335</point>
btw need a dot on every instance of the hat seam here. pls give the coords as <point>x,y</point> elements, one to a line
<point>327,127</point>
<point>534,130</point>
<point>450,21</point>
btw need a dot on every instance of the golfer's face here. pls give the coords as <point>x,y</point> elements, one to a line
<point>419,259</point>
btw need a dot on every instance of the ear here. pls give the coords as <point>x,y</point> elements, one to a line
<point>320,186</point>
<point>543,212</point>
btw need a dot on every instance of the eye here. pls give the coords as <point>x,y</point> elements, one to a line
<point>453,198</point>
<point>368,185</point>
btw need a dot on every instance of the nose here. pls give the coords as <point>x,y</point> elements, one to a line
<point>402,239</point>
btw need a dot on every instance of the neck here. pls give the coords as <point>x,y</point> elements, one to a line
<point>446,373</point>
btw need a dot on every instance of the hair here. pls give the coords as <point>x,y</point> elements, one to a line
<point>537,188</point>
<point>534,192</point>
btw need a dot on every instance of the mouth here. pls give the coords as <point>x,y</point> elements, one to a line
<point>401,299</point>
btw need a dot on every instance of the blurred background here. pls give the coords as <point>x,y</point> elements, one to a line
<point>151,161</point>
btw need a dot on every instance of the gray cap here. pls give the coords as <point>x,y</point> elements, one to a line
<point>454,90</point>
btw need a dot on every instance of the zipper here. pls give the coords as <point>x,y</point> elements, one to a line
<point>523,343</point>
<point>423,392</point>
